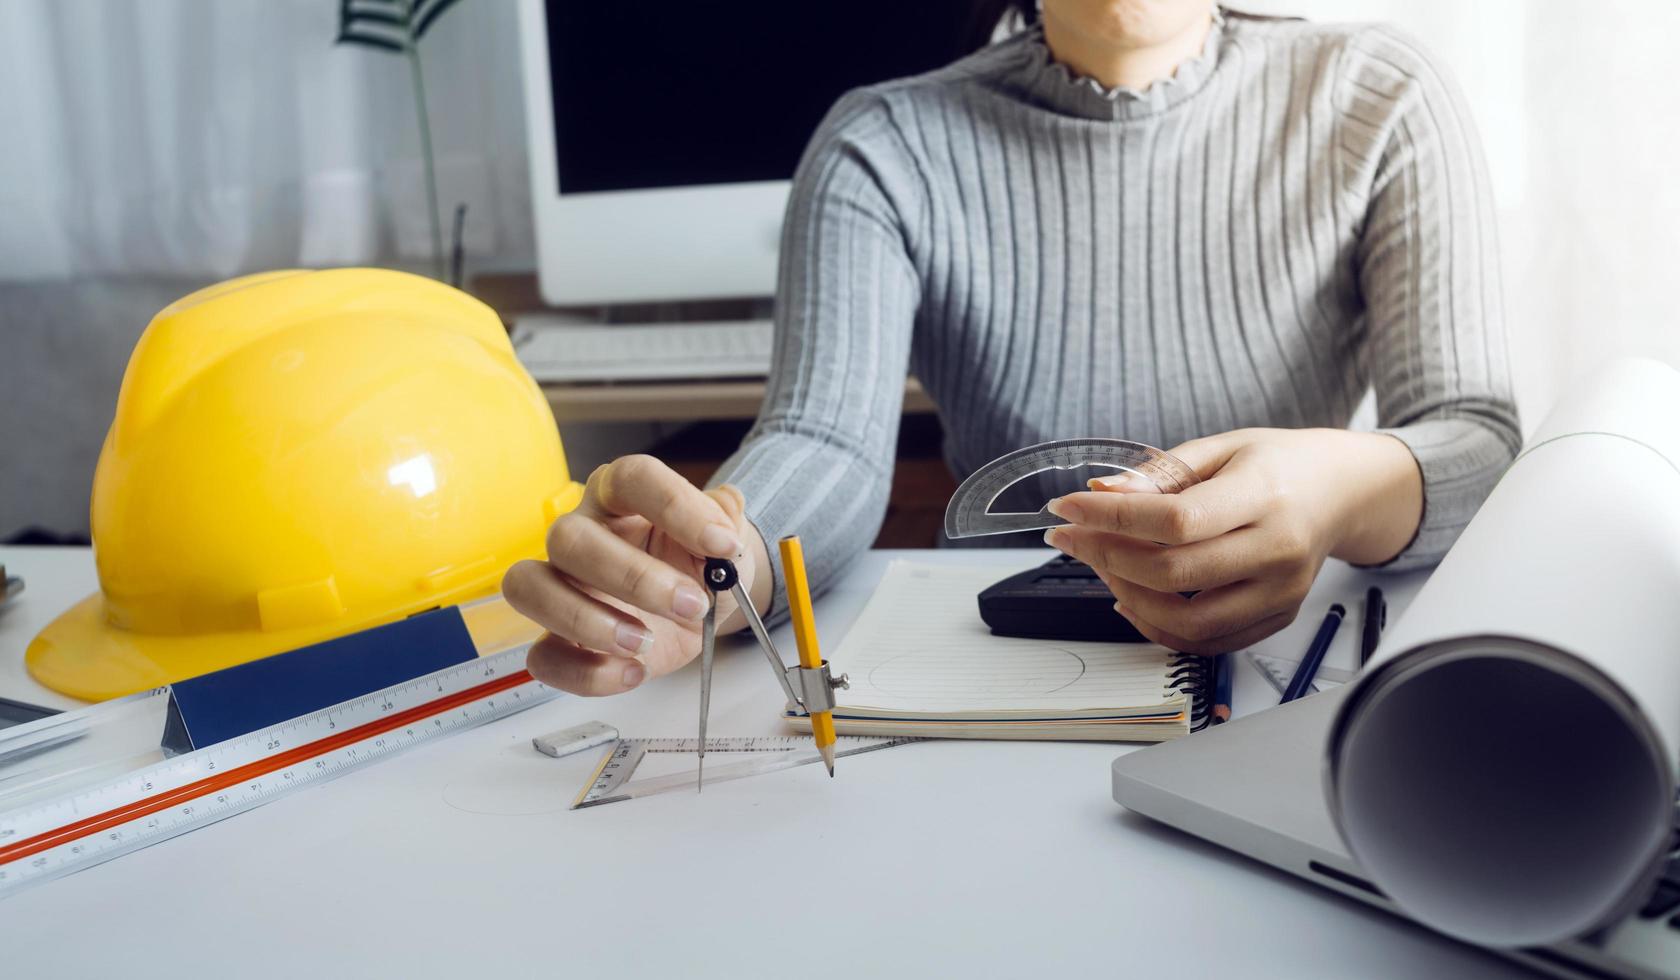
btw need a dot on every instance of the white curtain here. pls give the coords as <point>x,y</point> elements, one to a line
<point>203,138</point>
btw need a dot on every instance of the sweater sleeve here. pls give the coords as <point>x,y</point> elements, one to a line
<point>1427,260</point>
<point>818,463</point>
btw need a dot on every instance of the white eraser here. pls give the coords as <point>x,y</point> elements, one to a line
<point>577,738</point>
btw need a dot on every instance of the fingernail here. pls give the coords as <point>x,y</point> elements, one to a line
<point>688,603</point>
<point>720,542</point>
<point>1114,482</point>
<point>1053,537</point>
<point>633,639</point>
<point>633,673</point>
<point>1056,506</point>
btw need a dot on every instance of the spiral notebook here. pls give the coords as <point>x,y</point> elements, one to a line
<point>921,662</point>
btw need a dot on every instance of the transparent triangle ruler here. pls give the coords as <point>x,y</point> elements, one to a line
<point>611,781</point>
<point>1278,671</point>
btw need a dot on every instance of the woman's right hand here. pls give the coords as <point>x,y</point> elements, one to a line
<point>620,593</point>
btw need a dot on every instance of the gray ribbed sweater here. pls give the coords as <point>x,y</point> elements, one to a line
<point>1301,213</point>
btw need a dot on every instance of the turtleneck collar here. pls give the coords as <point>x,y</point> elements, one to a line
<point>1062,89</point>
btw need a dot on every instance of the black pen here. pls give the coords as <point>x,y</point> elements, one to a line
<point>1302,681</point>
<point>1376,617</point>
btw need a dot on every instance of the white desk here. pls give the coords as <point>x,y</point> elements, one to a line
<point>982,859</point>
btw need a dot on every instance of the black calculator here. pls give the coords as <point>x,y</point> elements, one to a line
<point>1060,600</point>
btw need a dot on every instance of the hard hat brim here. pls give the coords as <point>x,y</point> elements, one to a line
<point>82,655</point>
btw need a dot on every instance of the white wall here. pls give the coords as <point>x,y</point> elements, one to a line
<point>1573,100</point>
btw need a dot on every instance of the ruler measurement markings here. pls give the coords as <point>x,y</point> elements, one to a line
<point>137,838</point>
<point>246,776</point>
<point>968,514</point>
<point>612,780</point>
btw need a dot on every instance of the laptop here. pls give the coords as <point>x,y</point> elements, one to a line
<point>1256,786</point>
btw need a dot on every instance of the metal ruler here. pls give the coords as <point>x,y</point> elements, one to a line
<point>96,822</point>
<point>611,783</point>
<point>969,513</point>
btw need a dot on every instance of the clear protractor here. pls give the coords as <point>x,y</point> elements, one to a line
<point>969,513</point>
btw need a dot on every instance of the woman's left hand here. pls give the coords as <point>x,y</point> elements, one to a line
<point>1249,539</point>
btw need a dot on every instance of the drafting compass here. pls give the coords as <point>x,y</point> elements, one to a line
<point>811,688</point>
<point>969,513</point>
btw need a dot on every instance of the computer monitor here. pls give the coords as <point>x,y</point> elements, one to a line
<point>663,133</point>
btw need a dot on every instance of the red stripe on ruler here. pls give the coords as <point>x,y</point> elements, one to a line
<point>89,826</point>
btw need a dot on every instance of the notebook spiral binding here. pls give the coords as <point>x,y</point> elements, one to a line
<point>1193,676</point>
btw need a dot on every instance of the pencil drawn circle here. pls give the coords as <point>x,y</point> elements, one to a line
<point>514,782</point>
<point>1045,671</point>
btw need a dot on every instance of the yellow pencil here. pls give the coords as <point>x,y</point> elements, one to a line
<point>805,635</point>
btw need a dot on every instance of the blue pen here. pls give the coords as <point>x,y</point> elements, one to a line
<point>1304,674</point>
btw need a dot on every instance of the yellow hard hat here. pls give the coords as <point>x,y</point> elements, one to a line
<point>300,455</point>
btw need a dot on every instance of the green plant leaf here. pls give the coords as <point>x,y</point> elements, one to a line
<point>390,25</point>
<point>428,13</point>
<point>368,40</point>
<point>375,17</point>
<point>382,24</point>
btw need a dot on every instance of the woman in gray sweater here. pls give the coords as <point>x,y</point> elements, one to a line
<point>1150,219</point>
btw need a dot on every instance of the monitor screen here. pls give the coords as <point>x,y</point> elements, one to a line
<point>675,93</point>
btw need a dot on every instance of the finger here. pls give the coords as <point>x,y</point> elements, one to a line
<point>1228,558</point>
<point>1207,616</point>
<point>1122,482</point>
<point>1232,499</point>
<point>643,486</point>
<point>588,552</point>
<point>1156,614</point>
<point>729,497</point>
<point>1204,456</point>
<point>1209,454</point>
<point>569,667</point>
<point>1224,644</point>
<point>541,593</point>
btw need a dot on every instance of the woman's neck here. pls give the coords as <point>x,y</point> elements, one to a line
<point>1120,65</point>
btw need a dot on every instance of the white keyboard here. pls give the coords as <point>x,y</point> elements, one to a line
<point>553,350</point>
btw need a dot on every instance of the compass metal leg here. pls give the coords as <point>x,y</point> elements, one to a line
<point>770,652</point>
<point>708,641</point>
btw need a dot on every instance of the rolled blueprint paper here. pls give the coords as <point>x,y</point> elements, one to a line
<point>1505,769</point>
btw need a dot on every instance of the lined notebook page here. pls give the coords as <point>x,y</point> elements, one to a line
<point>919,647</point>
